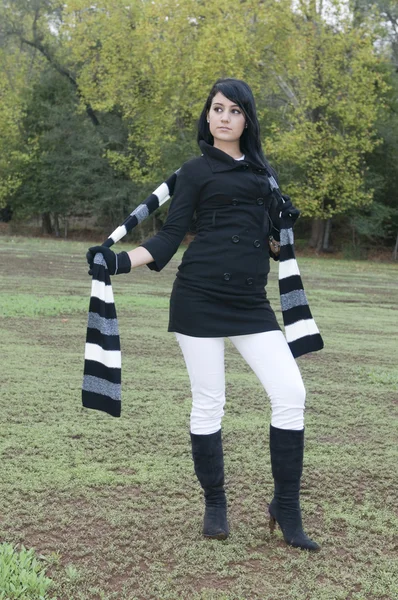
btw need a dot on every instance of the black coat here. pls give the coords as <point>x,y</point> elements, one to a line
<point>219,290</point>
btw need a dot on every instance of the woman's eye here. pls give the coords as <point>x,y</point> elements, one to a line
<point>234,110</point>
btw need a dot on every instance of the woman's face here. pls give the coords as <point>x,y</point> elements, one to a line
<point>226,119</point>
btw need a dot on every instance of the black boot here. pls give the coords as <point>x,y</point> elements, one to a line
<point>207,454</point>
<point>287,450</point>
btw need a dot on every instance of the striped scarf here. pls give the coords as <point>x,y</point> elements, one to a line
<point>302,333</point>
<point>102,365</point>
<point>102,358</point>
<point>102,374</point>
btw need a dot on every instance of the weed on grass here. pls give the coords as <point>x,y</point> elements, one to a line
<point>22,575</point>
<point>113,505</point>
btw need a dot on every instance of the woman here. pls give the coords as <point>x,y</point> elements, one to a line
<point>219,292</point>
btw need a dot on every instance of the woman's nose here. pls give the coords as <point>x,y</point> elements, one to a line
<point>225,117</point>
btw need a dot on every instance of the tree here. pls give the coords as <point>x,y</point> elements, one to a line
<point>382,220</point>
<point>67,172</point>
<point>156,61</point>
<point>335,87</point>
<point>35,24</point>
<point>317,78</point>
<point>12,110</point>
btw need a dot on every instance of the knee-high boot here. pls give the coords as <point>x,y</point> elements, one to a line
<point>287,450</point>
<point>207,454</point>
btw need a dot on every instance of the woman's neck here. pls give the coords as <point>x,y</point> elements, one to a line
<point>231,148</point>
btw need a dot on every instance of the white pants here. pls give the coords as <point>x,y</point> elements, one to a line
<point>270,358</point>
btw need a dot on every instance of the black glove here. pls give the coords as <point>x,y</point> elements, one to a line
<point>116,263</point>
<point>288,210</point>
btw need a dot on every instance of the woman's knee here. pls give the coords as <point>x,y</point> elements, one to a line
<point>290,392</point>
<point>295,393</point>
<point>288,406</point>
<point>207,413</point>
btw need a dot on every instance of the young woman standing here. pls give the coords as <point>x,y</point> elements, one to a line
<point>219,292</point>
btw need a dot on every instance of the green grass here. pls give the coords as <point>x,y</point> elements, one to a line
<point>113,505</point>
<point>22,575</point>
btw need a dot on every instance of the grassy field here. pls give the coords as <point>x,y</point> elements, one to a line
<point>112,506</point>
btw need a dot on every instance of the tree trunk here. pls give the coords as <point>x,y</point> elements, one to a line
<point>326,235</point>
<point>46,226</point>
<point>317,232</point>
<point>56,224</point>
<point>395,252</point>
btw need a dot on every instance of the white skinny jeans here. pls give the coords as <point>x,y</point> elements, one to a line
<point>270,358</point>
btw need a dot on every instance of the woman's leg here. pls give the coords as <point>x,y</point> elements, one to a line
<point>269,355</point>
<point>204,358</point>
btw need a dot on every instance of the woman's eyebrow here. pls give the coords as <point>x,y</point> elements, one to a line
<point>221,104</point>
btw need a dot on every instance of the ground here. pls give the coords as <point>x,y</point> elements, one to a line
<point>113,506</point>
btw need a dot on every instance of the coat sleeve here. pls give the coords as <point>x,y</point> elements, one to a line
<point>275,221</point>
<point>166,242</point>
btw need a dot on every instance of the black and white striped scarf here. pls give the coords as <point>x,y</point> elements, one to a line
<point>102,357</point>
<point>102,365</point>
<point>301,331</point>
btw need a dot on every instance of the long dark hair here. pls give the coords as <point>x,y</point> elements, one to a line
<point>240,93</point>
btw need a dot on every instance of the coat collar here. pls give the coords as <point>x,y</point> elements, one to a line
<point>221,161</point>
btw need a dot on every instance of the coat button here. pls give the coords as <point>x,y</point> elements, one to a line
<point>235,239</point>
<point>234,202</point>
<point>227,276</point>
<point>249,281</point>
<point>259,201</point>
<point>256,243</point>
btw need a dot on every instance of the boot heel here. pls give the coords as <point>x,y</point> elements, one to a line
<point>271,522</point>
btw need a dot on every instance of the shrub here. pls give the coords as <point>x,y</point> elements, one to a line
<point>21,575</point>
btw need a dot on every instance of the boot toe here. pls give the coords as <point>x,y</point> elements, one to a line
<point>215,524</point>
<point>303,542</point>
<point>215,535</point>
<point>216,531</point>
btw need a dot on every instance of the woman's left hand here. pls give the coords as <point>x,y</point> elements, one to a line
<point>116,263</point>
<point>288,210</point>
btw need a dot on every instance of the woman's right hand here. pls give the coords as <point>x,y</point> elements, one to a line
<point>288,210</point>
<point>116,263</point>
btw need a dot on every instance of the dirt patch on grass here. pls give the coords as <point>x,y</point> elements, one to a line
<point>74,526</point>
<point>210,582</point>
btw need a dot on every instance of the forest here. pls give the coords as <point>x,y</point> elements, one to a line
<point>100,101</point>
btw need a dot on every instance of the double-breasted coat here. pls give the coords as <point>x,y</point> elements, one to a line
<point>220,284</point>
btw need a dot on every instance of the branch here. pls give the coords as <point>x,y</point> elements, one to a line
<point>286,89</point>
<point>393,20</point>
<point>62,71</point>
